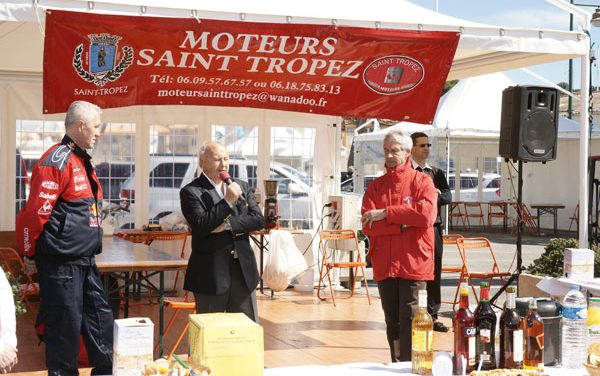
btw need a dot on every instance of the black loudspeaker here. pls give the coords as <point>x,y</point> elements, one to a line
<point>529,123</point>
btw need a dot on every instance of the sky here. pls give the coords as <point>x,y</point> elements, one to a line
<point>524,14</point>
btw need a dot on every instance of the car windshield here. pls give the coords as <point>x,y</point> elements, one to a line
<point>305,179</point>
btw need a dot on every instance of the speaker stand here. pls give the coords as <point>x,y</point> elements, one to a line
<point>520,224</point>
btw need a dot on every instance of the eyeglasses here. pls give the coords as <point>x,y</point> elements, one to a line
<point>424,145</point>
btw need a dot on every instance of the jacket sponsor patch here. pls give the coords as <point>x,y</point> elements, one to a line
<point>47,196</point>
<point>45,209</point>
<point>80,187</point>
<point>95,219</point>
<point>78,178</point>
<point>49,184</point>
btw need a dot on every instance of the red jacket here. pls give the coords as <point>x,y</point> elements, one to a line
<point>401,246</point>
<point>61,220</point>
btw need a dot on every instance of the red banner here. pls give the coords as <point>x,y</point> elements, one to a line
<point>117,61</point>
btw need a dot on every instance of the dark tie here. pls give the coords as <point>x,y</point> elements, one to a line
<point>419,169</point>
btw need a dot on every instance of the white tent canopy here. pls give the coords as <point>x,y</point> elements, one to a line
<point>482,49</point>
<point>472,108</point>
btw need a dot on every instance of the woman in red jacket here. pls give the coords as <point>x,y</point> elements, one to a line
<point>398,212</point>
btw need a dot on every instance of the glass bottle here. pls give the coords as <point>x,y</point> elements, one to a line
<point>463,323</point>
<point>534,338</point>
<point>485,324</point>
<point>593,320</point>
<point>422,338</point>
<point>511,334</point>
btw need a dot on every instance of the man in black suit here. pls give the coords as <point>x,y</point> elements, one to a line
<point>419,154</point>
<point>222,271</point>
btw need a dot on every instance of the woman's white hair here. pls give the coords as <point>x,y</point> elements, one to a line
<point>400,137</point>
<point>81,110</point>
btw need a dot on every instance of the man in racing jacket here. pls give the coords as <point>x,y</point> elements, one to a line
<point>60,228</point>
<point>399,209</point>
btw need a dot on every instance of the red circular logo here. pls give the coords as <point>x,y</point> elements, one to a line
<point>390,75</point>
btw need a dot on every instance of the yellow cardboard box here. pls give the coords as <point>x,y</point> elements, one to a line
<point>228,343</point>
<point>132,346</point>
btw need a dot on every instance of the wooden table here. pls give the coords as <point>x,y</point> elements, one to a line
<point>551,209</point>
<point>121,258</point>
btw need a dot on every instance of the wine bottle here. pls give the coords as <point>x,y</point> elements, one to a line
<point>534,338</point>
<point>463,323</point>
<point>485,324</point>
<point>422,338</point>
<point>511,334</point>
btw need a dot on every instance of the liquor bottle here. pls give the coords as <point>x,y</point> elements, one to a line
<point>485,325</point>
<point>422,338</point>
<point>463,323</point>
<point>511,334</point>
<point>534,338</point>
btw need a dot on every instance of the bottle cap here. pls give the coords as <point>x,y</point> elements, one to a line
<point>464,289</point>
<point>574,287</point>
<point>510,290</point>
<point>484,285</point>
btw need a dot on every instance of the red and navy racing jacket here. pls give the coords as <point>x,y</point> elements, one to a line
<point>61,220</point>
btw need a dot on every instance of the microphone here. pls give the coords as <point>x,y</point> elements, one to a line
<point>224,176</point>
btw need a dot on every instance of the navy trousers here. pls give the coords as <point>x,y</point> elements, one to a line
<point>73,303</point>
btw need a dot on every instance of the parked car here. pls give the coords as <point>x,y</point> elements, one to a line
<point>22,181</point>
<point>168,174</point>
<point>468,186</point>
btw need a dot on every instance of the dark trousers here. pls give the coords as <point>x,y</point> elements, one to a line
<point>434,287</point>
<point>399,299</point>
<point>237,299</point>
<point>73,303</point>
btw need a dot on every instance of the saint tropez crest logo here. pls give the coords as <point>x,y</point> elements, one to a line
<point>102,59</point>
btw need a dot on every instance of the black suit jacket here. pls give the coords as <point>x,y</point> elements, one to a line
<point>445,195</point>
<point>208,270</point>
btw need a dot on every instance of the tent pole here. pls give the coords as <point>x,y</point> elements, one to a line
<point>447,174</point>
<point>584,151</point>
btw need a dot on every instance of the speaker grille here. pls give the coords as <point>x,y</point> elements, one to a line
<point>539,134</point>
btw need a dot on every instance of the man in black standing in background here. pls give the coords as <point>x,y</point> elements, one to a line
<point>419,154</point>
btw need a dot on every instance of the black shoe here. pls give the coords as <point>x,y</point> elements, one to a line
<point>438,326</point>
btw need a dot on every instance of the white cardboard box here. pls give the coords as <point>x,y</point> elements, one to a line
<point>579,264</point>
<point>133,345</point>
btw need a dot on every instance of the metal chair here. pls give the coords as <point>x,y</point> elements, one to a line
<point>332,243</point>
<point>12,262</point>
<point>450,239</point>
<point>473,210</point>
<point>499,210</point>
<point>456,212</point>
<point>530,221</point>
<point>480,248</point>
<point>575,218</point>
<point>178,303</point>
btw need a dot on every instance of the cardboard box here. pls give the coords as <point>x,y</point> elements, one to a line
<point>579,264</point>
<point>133,345</point>
<point>228,343</point>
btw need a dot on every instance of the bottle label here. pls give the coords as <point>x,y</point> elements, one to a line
<point>518,345</point>
<point>485,335</point>
<point>540,340</point>
<point>471,351</point>
<point>594,333</point>
<point>422,340</point>
<point>574,313</point>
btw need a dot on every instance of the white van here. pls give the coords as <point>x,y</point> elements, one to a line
<point>169,173</point>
